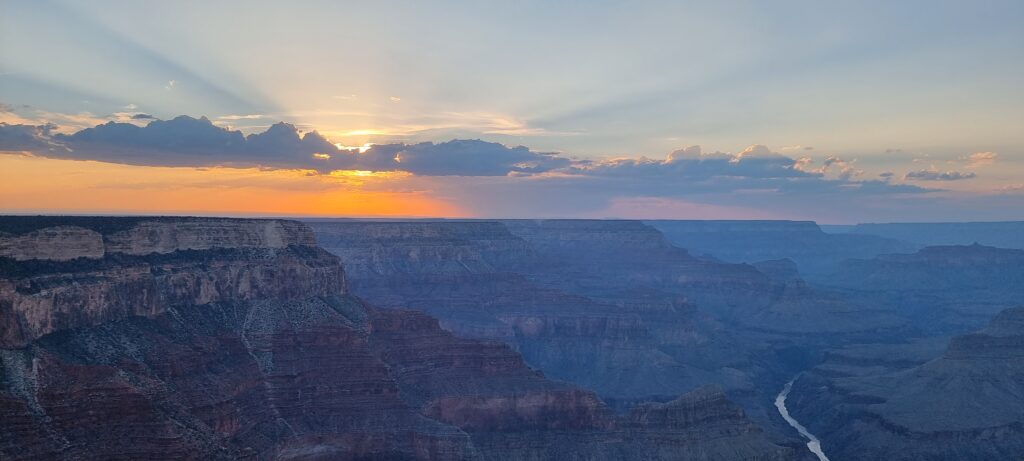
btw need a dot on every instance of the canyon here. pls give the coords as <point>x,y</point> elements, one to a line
<point>619,307</point>
<point>217,338</point>
<point>961,403</point>
<point>202,338</point>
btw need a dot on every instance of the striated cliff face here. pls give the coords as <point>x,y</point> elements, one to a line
<point>967,267</point>
<point>942,289</point>
<point>620,261</point>
<point>189,338</point>
<point>607,305</point>
<point>815,252</point>
<point>967,403</point>
<point>485,280</point>
<point>702,412</point>
<point>59,243</point>
<point>153,265</point>
<point>90,237</point>
<point>394,248</point>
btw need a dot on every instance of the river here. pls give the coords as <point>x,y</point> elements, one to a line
<point>813,444</point>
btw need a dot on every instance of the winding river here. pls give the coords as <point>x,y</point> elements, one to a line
<point>813,444</point>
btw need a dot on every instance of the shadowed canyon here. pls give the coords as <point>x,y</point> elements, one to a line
<point>215,338</point>
<point>511,231</point>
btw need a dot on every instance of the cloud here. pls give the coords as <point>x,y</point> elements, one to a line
<point>843,169</point>
<point>487,177</point>
<point>187,141</point>
<point>143,117</point>
<point>932,174</point>
<point>460,158</point>
<point>756,171</point>
<point>979,158</point>
<point>27,138</point>
<point>756,161</point>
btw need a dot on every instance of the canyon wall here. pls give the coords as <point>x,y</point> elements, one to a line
<point>1005,234</point>
<point>196,338</point>
<point>815,252</point>
<point>900,403</point>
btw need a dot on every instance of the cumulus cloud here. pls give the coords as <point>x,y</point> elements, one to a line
<point>492,176</point>
<point>843,169</point>
<point>187,141</point>
<point>691,163</point>
<point>461,158</point>
<point>932,174</point>
<point>755,170</point>
<point>28,138</point>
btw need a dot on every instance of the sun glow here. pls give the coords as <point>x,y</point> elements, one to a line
<point>363,148</point>
<point>105,188</point>
<point>364,132</point>
<point>370,174</point>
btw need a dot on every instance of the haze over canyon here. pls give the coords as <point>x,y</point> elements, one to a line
<point>516,231</point>
<point>170,338</point>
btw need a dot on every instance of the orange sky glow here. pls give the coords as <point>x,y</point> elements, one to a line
<point>39,185</point>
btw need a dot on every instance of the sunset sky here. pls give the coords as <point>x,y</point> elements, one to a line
<point>833,111</point>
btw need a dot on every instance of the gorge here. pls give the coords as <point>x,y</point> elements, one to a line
<point>215,338</point>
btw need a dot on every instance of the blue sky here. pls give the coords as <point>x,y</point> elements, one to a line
<point>925,94</point>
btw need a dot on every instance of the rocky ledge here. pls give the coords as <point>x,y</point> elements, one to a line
<point>85,271</point>
<point>52,238</point>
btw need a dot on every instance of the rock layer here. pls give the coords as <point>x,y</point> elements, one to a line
<point>239,340</point>
<point>966,404</point>
<point>815,252</point>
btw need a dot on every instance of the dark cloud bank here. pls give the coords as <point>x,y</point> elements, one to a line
<point>187,141</point>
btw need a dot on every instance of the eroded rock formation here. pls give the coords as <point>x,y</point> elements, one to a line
<point>189,338</point>
<point>965,404</point>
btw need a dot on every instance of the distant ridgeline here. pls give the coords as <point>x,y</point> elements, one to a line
<point>804,242</point>
<point>1005,234</point>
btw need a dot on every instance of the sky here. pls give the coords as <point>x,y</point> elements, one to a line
<point>839,112</point>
